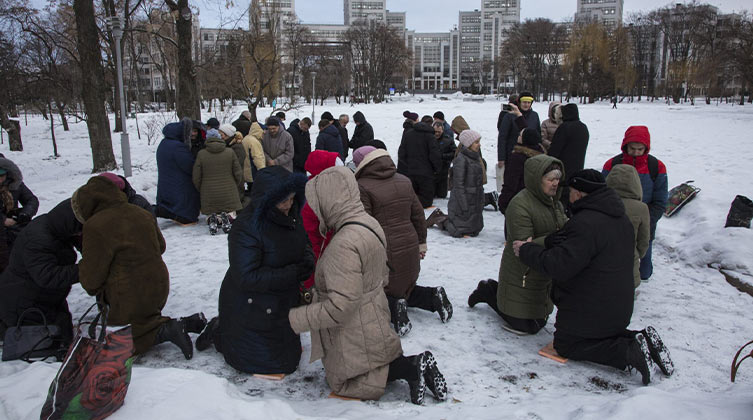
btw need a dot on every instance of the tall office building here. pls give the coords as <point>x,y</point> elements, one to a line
<point>608,12</point>
<point>364,10</point>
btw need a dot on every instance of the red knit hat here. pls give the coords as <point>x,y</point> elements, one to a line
<point>115,179</point>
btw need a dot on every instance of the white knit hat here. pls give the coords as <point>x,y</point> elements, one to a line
<point>468,137</point>
<point>228,129</point>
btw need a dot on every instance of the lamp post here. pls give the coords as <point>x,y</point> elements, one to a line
<point>313,96</point>
<point>117,32</point>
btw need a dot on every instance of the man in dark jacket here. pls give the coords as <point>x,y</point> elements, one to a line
<point>41,271</point>
<point>418,157</point>
<point>299,130</point>
<point>569,144</point>
<point>653,176</point>
<point>590,262</point>
<point>177,198</point>
<point>340,129</point>
<point>328,138</point>
<point>243,123</point>
<point>13,192</point>
<point>447,150</point>
<point>363,133</point>
<point>518,118</point>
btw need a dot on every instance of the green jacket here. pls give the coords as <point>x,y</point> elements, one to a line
<point>523,292</point>
<point>217,175</point>
<point>624,179</point>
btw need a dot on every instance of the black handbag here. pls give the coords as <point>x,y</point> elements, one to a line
<point>26,342</point>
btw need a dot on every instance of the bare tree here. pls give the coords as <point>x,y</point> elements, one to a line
<point>188,93</point>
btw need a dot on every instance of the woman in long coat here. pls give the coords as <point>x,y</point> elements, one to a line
<point>388,197</point>
<point>270,256</point>
<point>349,316</point>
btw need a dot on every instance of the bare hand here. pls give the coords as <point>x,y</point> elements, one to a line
<point>422,254</point>
<point>271,162</point>
<point>9,222</point>
<point>501,164</point>
<point>516,110</point>
<point>517,244</point>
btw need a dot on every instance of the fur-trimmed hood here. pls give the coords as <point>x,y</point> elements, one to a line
<point>180,131</point>
<point>271,185</point>
<point>15,178</point>
<point>526,151</point>
<point>97,194</point>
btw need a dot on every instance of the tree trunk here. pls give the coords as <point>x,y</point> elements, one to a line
<point>14,130</point>
<point>188,95</point>
<point>93,86</point>
<point>52,132</point>
<point>61,111</point>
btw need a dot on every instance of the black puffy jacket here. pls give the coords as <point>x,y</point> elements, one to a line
<point>592,268</point>
<point>418,154</point>
<point>570,141</point>
<point>363,133</point>
<point>301,145</point>
<point>269,255</point>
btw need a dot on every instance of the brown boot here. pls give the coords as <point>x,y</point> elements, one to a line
<point>436,218</point>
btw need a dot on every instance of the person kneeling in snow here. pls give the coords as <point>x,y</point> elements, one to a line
<point>591,263</point>
<point>349,317</point>
<point>122,262</point>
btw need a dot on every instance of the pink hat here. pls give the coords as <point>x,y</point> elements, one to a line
<point>115,179</point>
<point>361,153</point>
<point>468,137</point>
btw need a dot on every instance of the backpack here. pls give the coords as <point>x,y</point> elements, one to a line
<point>653,165</point>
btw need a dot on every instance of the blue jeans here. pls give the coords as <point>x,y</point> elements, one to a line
<point>647,267</point>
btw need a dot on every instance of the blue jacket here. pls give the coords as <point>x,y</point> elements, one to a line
<point>175,189</point>
<point>510,129</point>
<point>329,139</point>
<point>270,255</point>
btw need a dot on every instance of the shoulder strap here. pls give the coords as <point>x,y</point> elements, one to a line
<point>367,227</point>
<point>653,167</point>
<point>617,160</point>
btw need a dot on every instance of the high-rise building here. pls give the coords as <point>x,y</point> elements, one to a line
<point>355,10</point>
<point>433,66</point>
<point>608,12</point>
<point>281,10</point>
<point>469,59</point>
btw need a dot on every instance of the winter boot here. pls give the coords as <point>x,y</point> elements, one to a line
<point>491,199</point>
<point>206,338</point>
<point>174,331</point>
<point>442,304</point>
<point>213,222</point>
<point>225,222</point>
<point>638,357</point>
<point>434,379</point>
<point>740,213</point>
<point>659,352</point>
<point>402,323</point>
<point>418,386</point>
<point>194,323</point>
<point>436,218</point>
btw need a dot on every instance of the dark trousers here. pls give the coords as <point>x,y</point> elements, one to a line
<point>424,188</point>
<point>487,293</point>
<point>167,214</point>
<point>609,351</point>
<point>440,184</point>
<point>647,267</point>
<point>421,297</point>
<point>402,368</point>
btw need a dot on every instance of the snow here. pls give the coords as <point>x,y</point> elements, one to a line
<point>491,373</point>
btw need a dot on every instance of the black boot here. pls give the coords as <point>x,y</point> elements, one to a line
<point>659,352</point>
<point>442,304</point>
<point>638,357</point>
<point>478,294</point>
<point>418,386</point>
<point>206,338</point>
<point>194,323</point>
<point>740,213</point>
<point>401,322</point>
<point>434,379</point>
<point>490,199</point>
<point>174,331</point>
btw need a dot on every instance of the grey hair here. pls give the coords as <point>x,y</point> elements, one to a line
<point>554,173</point>
<point>343,115</point>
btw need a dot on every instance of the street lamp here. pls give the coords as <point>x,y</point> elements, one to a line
<point>313,96</point>
<point>114,22</point>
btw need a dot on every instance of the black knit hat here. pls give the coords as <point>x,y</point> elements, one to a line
<point>326,115</point>
<point>273,121</point>
<point>531,137</point>
<point>439,115</point>
<point>587,181</point>
<point>213,123</point>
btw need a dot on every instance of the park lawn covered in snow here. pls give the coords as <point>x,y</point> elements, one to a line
<point>491,373</point>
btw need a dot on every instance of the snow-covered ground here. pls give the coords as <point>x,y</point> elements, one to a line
<point>491,373</point>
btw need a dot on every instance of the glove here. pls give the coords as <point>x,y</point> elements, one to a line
<point>23,218</point>
<point>554,239</point>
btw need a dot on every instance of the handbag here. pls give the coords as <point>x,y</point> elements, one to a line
<point>93,379</point>
<point>26,342</point>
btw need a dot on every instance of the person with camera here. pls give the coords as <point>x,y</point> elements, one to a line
<point>520,115</point>
<point>13,192</point>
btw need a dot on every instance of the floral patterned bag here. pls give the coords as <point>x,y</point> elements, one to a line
<point>93,380</point>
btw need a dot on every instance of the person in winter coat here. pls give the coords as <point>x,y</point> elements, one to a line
<point>522,116</point>
<point>198,137</point>
<point>512,99</point>
<point>317,161</point>
<point>299,130</point>
<point>328,138</point>
<point>466,206</point>
<point>13,219</point>
<point>521,295</point>
<point>41,271</point>
<point>389,198</point>
<point>234,140</point>
<point>418,158</point>
<point>590,261</point>
<point>177,198</point>
<point>340,129</point>
<point>269,257</point>
<point>625,181</point>
<point>243,123</point>
<point>121,262</point>
<point>256,160</point>
<point>636,146</point>
<point>217,175</point>
<point>363,133</point>
<point>133,198</point>
<point>349,317</point>
<point>446,129</point>
<point>447,150</point>
<point>278,145</point>
<point>550,125</point>
<point>458,126</point>
<point>569,144</point>
<point>529,145</point>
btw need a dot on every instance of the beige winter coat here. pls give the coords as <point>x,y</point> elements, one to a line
<point>349,318</point>
<point>550,125</point>
<point>254,152</point>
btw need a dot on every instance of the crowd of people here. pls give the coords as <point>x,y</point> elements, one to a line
<point>317,245</point>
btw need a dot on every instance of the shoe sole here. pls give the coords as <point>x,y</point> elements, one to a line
<point>445,307</point>
<point>435,381</point>
<point>513,330</point>
<point>417,397</point>
<point>646,356</point>
<point>659,352</point>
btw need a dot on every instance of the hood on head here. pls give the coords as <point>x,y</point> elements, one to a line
<point>96,195</point>
<point>215,145</point>
<point>359,117</point>
<point>625,180</point>
<point>320,160</point>
<point>256,130</point>
<point>570,112</point>
<point>272,185</point>
<point>180,131</point>
<point>459,125</point>
<point>334,197</point>
<point>62,221</point>
<point>534,170</point>
<point>377,162</point>
<point>637,134</point>
<point>15,178</point>
<point>553,105</point>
